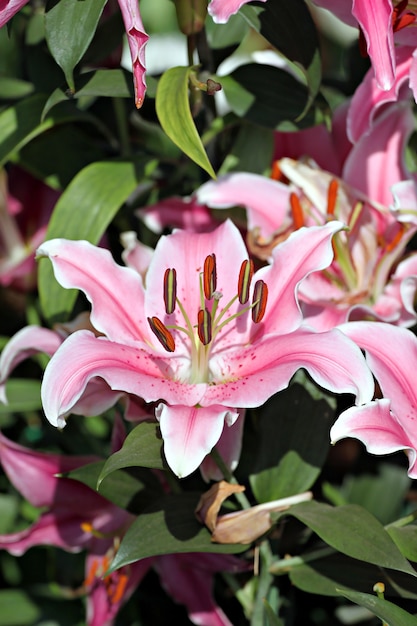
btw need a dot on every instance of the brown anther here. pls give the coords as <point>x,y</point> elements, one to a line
<point>332,196</point>
<point>204,326</point>
<point>209,276</point>
<point>296,210</point>
<point>260,297</point>
<point>245,278</point>
<point>162,333</point>
<point>170,290</point>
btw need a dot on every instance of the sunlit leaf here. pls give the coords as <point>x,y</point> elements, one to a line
<point>69,29</point>
<point>84,211</point>
<point>174,114</point>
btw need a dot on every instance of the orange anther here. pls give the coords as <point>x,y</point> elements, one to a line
<point>332,196</point>
<point>91,573</point>
<point>209,276</point>
<point>118,592</point>
<point>276,173</point>
<point>260,297</point>
<point>397,238</point>
<point>162,333</point>
<point>296,210</point>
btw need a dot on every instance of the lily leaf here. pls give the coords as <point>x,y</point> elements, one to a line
<point>340,528</point>
<point>174,114</point>
<point>84,211</point>
<point>141,448</point>
<point>387,611</point>
<point>69,29</point>
<point>169,526</point>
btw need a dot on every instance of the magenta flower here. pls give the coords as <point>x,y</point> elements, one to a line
<point>77,518</point>
<point>388,425</point>
<point>372,193</point>
<point>381,24</point>
<point>25,208</point>
<point>206,336</point>
<point>221,10</point>
<point>135,31</point>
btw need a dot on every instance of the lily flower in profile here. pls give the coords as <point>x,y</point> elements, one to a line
<point>385,425</point>
<point>221,10</point>
<point>204,337</point>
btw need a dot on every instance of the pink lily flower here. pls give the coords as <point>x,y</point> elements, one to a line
<point>379,24</point>
<point>77,518</point>
<point>221,10</point>
<point>385,425</point>
<point>205,337</point>
<point>135,31</point>
<point>373,195</point>
<point>25,208</point>
<point>177,212</point>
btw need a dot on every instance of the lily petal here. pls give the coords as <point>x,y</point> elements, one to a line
<point>221,10</point>
<point>190,433</point>
<point>8,8</point>
<point>123,367</point>
<point>116,292</point>
<point>376,23</point>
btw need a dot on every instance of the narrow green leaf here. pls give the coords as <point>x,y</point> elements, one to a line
<point>173,110</point>
<point>353,531</point>
<point>387,611</point>
<point>169,527</point>
<point>141,448</point>
<point>14,87</point>
<point>69,29</point>
<point>83,212</point>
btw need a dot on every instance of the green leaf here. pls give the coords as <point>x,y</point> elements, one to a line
<point>252,151</point>
<point>387,611</point>
<point>270,97</point>
<point>141,448</point>
<point>22,395</point>
<point>405,538</point>
<point>173,111</point>
<point>353,531</point>
<point>69,29</point>
<point>132,489</point>
<point>21,123</point>
<point>290,28</point>
<point>14,87</point>
<point>17,608</point>
<point>293,433</point>
<point>107,83</point>
<point>327,576</point>
<point>169,527</point>
<point>83,212</point>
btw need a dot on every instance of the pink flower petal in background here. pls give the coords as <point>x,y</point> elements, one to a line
<point>8,8</point>
<point>387,425</point>
<point>221,10</point>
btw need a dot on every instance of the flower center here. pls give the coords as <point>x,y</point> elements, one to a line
<point>203,331</point>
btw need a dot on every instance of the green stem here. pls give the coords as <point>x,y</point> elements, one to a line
<point>283,566</point>
<point>122,126</point>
